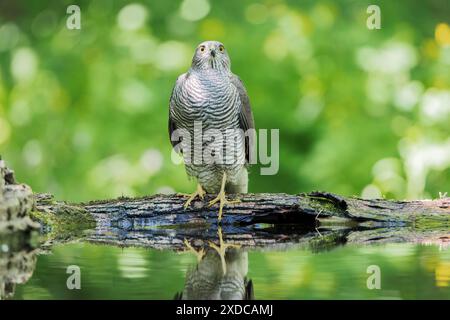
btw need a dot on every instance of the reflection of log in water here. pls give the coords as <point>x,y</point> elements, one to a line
<point>16,265</point>
<point>267,239</point>
<point>17,257</point>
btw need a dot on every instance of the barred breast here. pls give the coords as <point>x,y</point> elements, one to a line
<point>210,99</point>
<point>207,281</point>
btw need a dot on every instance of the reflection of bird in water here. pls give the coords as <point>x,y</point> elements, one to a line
<point>220,274</point>
<point>15,268</point>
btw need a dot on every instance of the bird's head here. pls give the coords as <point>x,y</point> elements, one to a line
<point>211,55</point>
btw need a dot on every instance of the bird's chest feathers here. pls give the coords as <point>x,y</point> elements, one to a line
<point>209,95</point>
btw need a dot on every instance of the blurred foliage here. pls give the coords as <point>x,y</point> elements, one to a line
<point>83,113</point>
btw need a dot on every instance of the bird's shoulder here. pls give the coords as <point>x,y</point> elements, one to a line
<point>178,85</point>
<point>242,91</point>
<point>238,83</point>
<point>181,78</point>
<point>185,78</point>
<point>235,79</point>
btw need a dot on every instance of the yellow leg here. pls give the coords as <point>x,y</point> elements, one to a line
<point>200,253</point>
<point>222,248</point>
<point>199,192</point>
<point>221,198</point>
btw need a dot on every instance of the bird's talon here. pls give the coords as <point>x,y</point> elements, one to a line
<point>213,245</point>
<point>184,195</point>
<point>216,199</point>
<point>199,192</point>
<point>199,253</point>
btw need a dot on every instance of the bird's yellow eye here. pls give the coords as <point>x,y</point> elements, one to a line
<point>221,48</point>
<point>202,48</point>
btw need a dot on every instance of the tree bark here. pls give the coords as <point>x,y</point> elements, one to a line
<point>278,208</point>
<point>318,220</point>
<point>16,201</point>
<point>265,220</point>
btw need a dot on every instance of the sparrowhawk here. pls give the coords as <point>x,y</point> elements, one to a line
<point>209,94</point>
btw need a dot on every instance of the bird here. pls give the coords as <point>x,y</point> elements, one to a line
<point>209,93</point>
<point>206,281</point>
<point>220,274</point>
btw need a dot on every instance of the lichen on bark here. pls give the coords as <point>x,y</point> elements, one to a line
<point>16,202</point>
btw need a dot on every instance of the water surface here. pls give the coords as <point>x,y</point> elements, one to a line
<point>408,271</point>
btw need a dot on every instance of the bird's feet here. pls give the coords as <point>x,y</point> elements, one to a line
<point>222,199</point>
<point>199,192</point>
<point>222,248</point>
<point>199,253</point>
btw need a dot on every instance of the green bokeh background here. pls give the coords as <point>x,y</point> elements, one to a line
<point>83,113</point>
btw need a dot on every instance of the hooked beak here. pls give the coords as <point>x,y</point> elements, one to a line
<point>213,52</point>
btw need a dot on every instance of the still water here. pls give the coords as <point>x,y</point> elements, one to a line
<point>407,271</point>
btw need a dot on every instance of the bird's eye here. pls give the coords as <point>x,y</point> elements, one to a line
<point>202,48</point>
<point>221,48</point>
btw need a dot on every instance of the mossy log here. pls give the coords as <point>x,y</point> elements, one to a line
<point>317,219</point>
<point>269,208</point>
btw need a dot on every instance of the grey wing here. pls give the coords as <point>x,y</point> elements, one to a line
<point>172,123</point>
<point>245,115</point>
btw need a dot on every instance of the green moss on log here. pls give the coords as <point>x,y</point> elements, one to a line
<point>64,220</point>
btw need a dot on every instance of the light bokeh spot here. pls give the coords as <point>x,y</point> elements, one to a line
<point>194,10</point>
<point>393,57</point>
<point>276,46</point>
<point>151,161</point>
<point>408,95</point>
<point>132,16</point>
<point>173,55</point>
<point>442,34</point>
<point>435,105</point>
<point>371,191</point>
<point>24,64</point>
<point>32,153</point>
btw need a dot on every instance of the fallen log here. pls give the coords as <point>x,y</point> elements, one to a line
<point>278,208</point>
<point>318,220</point>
